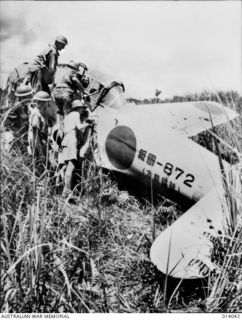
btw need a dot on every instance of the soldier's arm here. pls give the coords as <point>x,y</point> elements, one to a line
<point>36,127</point>
<point>37,145</point>
<point>80,126</point>
<point>52,61</point>
<point>35,123</point>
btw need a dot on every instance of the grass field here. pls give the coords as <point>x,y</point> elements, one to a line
<point>93,256</point>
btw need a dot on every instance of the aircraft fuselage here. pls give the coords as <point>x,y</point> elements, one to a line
<point>156,156</point>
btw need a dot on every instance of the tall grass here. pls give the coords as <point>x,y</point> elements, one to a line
<point>226,285</point>
<point>58,257</point>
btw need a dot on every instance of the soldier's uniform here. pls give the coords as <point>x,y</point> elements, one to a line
<point>17,119</point>
<point>41,70</point>
<point>38,126</point>
<point>69,145</point>
<point>67,88</point>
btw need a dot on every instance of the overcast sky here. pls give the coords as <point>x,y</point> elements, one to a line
<point>177,46</point>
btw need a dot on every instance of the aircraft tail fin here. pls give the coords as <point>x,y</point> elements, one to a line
<point>184,249</point>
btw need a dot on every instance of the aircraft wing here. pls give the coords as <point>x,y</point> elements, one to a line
<point>187,118</point>
<point>184,249</point>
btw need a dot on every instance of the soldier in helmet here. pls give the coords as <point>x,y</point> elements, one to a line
<point>67,87</point>
<point>17,115</point>
<point>38,125</point>
<point>41,70</point>
<point>69,154</point>
<point>20,111</point>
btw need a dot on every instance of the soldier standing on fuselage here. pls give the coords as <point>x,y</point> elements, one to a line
<point>41,70</point>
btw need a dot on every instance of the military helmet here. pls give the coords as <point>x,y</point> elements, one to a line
<point>61,39</point>
<point>41,96</point>
<point>78,104</point>
<point>23,91</point>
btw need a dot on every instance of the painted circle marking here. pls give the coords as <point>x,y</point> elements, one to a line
<point>120,147</point>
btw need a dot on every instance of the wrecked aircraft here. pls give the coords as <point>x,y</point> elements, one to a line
<point>151,143</point>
